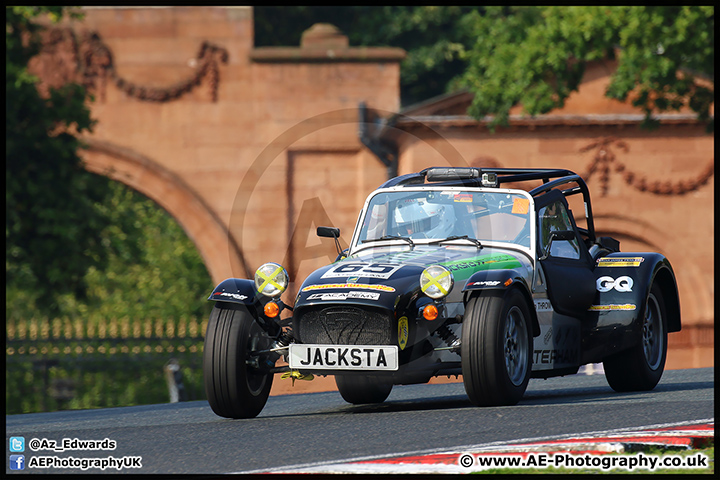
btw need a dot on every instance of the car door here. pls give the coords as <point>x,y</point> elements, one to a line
<point>565,260</point>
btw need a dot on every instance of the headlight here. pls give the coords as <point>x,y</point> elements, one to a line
<point>436,281</point>
<point>271,279</point>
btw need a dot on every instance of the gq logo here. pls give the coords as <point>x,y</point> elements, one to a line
<point>621,284</point>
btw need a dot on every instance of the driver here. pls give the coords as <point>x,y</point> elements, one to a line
<point>420,219</point>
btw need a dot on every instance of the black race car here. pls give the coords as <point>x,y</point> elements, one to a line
<point>448,273</point>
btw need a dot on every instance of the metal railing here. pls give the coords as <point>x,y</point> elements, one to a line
<point>97,362</point>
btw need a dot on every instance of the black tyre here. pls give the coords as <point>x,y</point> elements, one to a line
<point>234,388</point>
<point>496,347</point>
<point>640,367</point>
<point>359,389</point>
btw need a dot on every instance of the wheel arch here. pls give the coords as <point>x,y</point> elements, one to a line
<point>234,290</point>
<point>666,280</point>
<point>517,284</point>
<point>535,323</point>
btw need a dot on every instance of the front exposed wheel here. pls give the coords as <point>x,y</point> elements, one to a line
<point>359,389</point>
<point>496,348</point>
<point>640,367</point>
<point>235,388</point>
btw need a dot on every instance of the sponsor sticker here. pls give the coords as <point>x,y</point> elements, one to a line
<point>548,335</point>
<point>553,356</point>
<point>487,283</point>
<point>403,332</point>
<point>464,268</point>
<point>620,261</point>
<point>543,306</point>
<point>463,197</point>
<point>236,296</point>
<point>383,288</point>
<point>605,308</point>
<point>344,296</point>
<point>621,284</point>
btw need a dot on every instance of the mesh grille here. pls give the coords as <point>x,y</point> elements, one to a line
<point>343,325</point>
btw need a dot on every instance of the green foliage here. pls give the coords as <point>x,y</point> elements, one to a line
<point>536,56</point>
<point>152,268</point>
<point>51,201</point>
<point>78,243</point>
<point>533,56</point>
<point>156,272</point>
<point>436,40</point>
<point>434,37</point>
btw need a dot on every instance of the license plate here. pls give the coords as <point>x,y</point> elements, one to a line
<point>343,357</point>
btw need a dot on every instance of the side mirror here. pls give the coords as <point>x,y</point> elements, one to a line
<point>556,235</point>
<point>329,232</point>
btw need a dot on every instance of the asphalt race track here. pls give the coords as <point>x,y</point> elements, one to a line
<point>320,427</point>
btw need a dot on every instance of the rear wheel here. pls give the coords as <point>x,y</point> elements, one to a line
<point>496,348</point>
<point>359,389</point>
<point>234,387</point>
<point>641,366</point>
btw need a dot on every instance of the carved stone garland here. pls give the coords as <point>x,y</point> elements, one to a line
<point>605,157</point>
<point>90,62</point>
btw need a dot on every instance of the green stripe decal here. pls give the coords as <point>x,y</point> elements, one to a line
<point>462,269</point>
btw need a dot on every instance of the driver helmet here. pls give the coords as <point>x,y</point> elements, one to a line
<point>418,217</point>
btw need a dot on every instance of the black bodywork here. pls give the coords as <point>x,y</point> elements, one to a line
<point>581,310</point>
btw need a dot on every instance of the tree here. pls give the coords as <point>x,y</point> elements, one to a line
<point>533,56</point>
<point>79,243</point>
<point>154,271</point>
<point>536,56</point>
<point>53,217</point>
<point>435,38</point>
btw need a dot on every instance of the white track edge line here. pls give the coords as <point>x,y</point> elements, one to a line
<point>476,446</point>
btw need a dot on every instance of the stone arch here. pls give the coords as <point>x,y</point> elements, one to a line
<point>635,230</point>
<point>221,254</point>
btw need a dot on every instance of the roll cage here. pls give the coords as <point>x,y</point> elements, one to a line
<point>493,177</point>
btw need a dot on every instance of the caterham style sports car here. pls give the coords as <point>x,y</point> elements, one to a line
<point>450,273</point>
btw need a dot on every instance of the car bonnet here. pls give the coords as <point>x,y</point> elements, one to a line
<point>378,276</point>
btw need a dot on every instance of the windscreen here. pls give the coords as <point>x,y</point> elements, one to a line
<point>439,214</point>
